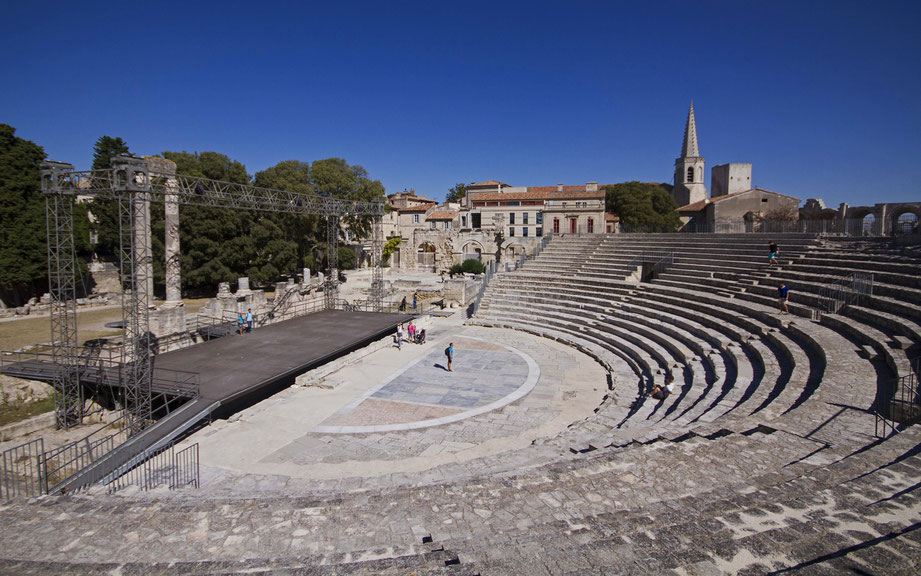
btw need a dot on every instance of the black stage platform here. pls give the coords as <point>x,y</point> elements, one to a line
<point>237,371</point>
<point>235,366</point>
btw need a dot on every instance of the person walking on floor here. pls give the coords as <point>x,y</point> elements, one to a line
<point>400,336</point>
<point>784,294</point>
<point>449,352</point>
<point>249,320</point>
<point>773,251</point>
<point>240,323</point>
<point>414,302</point>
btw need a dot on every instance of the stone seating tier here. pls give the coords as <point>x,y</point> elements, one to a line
<point>868,326</point>
<point>763,460</point>
<point>612,320</point>
<point>574,517</point>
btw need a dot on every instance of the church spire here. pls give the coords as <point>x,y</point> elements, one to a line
<point>689,168</point>
<point>689,147</point>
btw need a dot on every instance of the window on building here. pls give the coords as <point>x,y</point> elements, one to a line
<point>556,225</point>
<point>511,232</point>
<point>540,231</point>
<point>463,221</point>
<point>511,217</point>
<point>524,231</point>
<point>690,174</point>
<point>591,225</point>
<point>415,218</point>
<point>524,217</point>
<point>432,224</point>
<point>540,217</point>
<point>446,224</point>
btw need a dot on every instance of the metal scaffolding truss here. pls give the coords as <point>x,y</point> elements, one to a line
<point>331,289</point>
<point>377,272</point>
<point>59,219</point>
<point>134,186</point>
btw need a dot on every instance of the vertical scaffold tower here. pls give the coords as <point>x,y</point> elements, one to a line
<point>132,188</point>
<point>59,191</point>
<point>331,285</point>
<point>134,185</point>
<point>377,261</point>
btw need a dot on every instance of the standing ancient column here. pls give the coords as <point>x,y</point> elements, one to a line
<point>171,228</point>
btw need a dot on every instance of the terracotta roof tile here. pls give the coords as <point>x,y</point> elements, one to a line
<point>441,216</point>
<point>540,193</point>
<point>419,208</point>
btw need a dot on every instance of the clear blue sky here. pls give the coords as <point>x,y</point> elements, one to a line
<point>824,98</point>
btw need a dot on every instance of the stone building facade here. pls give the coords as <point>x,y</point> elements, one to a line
<point>745,208</point>
<point>493,221</point>
<point>730,179</point>
<point>734,203</point>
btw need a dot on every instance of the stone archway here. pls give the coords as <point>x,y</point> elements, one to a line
<point>863,221</point>
<point>425,257</point>
<point>904,220</point>
<point>513,250</point>
<point>473,250</point>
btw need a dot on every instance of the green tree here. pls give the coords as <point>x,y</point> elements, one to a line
<point>104,220</point>
<point>23,255</point>
<point>390,246</point>
<point>217,244</point>
<point>456,193</point>
<point>304,235</point>
<point>347,259</point>
<point>105,148</point>
<point>642,207</point>
<point>334,177</point>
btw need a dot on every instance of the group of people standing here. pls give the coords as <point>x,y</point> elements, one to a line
<point>415,334</point>
<point>418,336</point>
<point>245,321</point>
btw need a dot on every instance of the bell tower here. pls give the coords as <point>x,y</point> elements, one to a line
<point>689,168</point>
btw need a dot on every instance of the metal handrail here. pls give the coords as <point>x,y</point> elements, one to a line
<point>162,466</point>
<point>22,471</point>
<point>904,406</point>
<point>847,290</point>
<point>183,382</point>
<point>853,227</point>
<point>491,270</point>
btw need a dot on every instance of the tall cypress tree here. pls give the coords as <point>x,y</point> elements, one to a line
<point>105,213</point>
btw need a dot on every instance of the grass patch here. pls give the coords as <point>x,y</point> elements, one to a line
<point>17,411</point>
<point>29,331</point>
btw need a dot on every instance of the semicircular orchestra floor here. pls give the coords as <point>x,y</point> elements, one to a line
<point>485,376</point>
<point>397,414</point>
